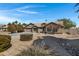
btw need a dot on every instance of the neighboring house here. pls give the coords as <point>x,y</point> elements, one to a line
<point>52,27</point>
<point>3,27</point>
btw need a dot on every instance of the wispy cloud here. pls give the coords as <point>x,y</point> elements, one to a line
<point>29,6</point>
<point>11,15</point>
<point>28,12</point>
<point>22,9</point>
<point>19,10</point>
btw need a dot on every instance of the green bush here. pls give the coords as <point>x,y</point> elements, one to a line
<point>4,42</point>
<point>26,37</point>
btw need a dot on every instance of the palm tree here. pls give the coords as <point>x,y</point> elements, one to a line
<point>77,8</point>
<point>76,5</point>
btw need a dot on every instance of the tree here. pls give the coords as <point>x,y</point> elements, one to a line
<point>76,5</point>
<point>67,23</point>
<point>11,28</point>
<point>20,28</point>
<point>15,22</point>
<point>15,26</point>
<point>9,23</point>
<point>24,24</point>
<point>77,8</point>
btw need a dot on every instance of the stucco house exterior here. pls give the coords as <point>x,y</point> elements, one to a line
<point>3,27</point>
<point>44,27</point>
<point>36,27</point>
<point>52,27</point>
<point>29,28</point>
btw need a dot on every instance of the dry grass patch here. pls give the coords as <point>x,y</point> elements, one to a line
<point>34,52</point>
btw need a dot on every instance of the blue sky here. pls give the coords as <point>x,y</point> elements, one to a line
<point>37,12</point>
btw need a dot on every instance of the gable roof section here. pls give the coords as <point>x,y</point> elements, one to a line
<point>31,25</point>
<point>54,23</point>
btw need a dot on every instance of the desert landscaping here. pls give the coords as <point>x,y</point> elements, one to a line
<point>39,29</point>
<point>41,39</point>
<point>57,44</point>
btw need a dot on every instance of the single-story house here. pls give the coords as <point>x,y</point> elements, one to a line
<point>40,27</point>
<point>3,27</point>
<point>36,27</point>
<point>52,27</point>
<point>44,27</point>
<point>29,27</point>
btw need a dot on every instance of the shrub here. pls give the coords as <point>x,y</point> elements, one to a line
<point>34,52</point>
<point>11,28</point>
<point>6,36</point>
<point>15,27</point>
<point>4,42</point>
<point>26,37</point>
<point>19,28</point>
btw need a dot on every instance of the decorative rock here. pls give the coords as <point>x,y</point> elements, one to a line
<point>46,47</point>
